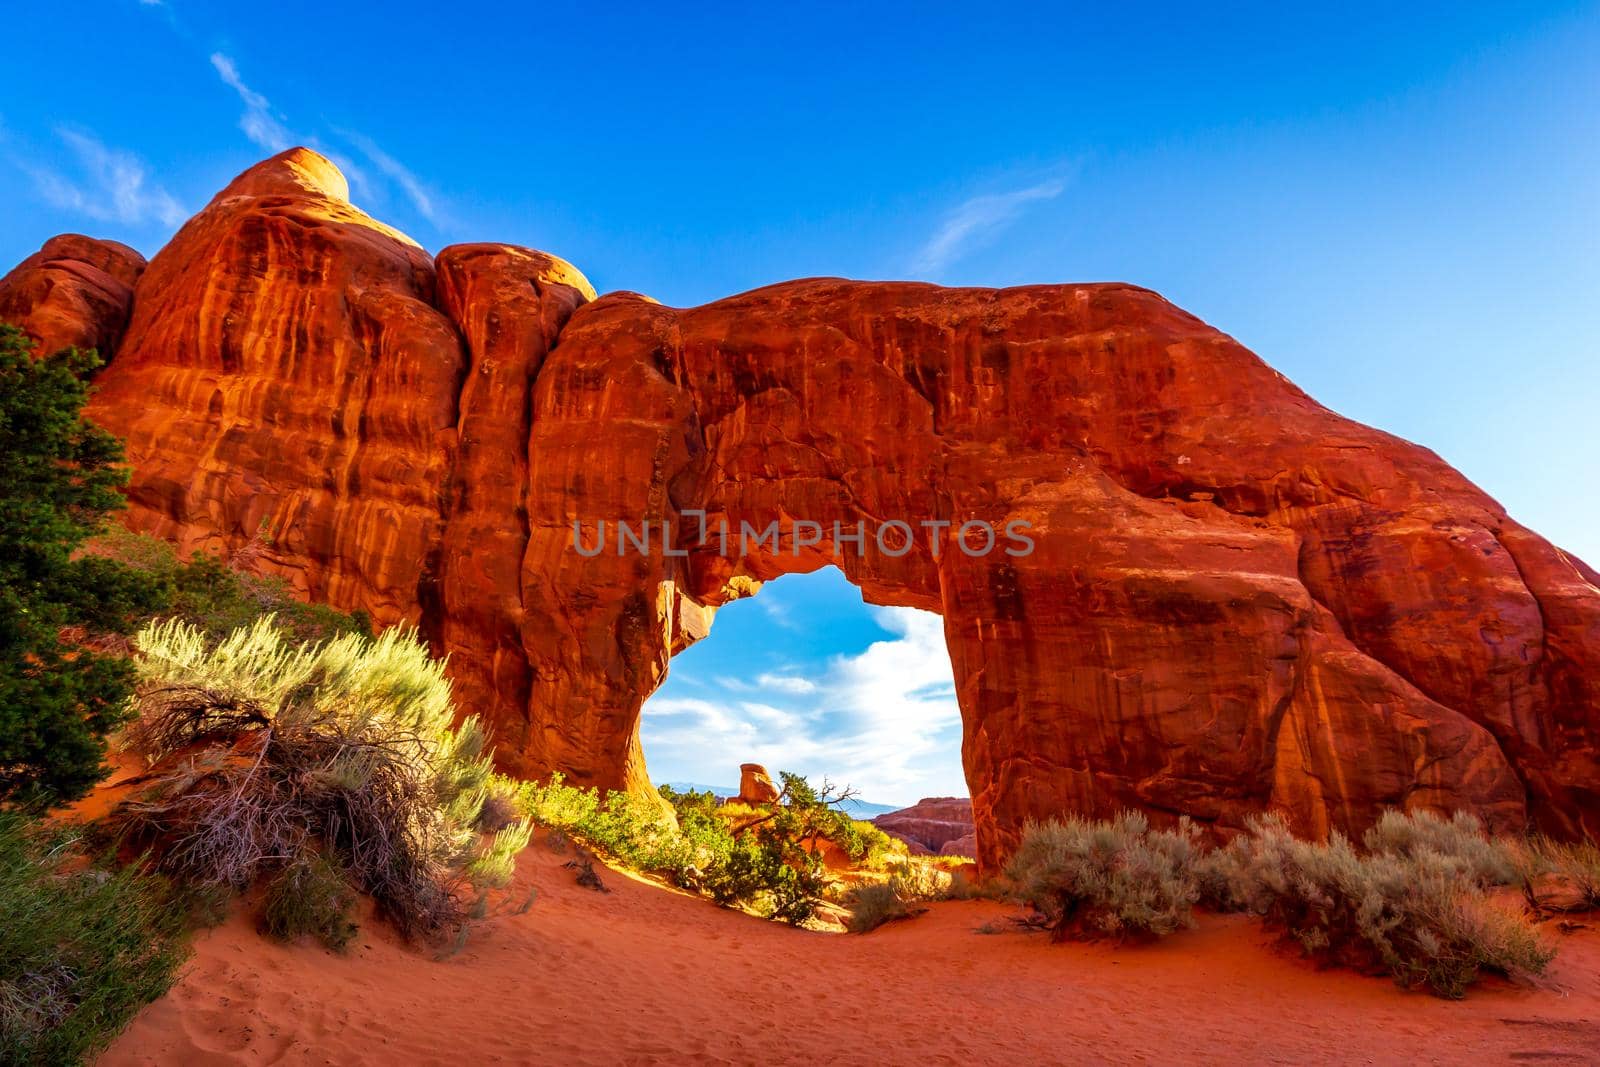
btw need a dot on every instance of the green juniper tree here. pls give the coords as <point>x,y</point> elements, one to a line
<point>59,476</point>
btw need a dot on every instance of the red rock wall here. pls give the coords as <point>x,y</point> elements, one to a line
<point>286,372</point>
<point>510,304</point>
<point>1238,600</point>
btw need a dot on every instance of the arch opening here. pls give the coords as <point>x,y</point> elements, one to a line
<point>805,676</point>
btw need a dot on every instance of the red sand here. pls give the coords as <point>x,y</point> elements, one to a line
<point>644,975</point>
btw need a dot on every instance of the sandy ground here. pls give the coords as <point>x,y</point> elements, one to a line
<point>645,975</point>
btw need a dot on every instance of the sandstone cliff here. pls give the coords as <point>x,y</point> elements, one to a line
<point>1237,600</point>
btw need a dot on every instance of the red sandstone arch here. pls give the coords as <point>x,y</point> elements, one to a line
<point>1238,600</point>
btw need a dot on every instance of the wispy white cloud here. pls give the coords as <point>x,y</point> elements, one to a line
<point>258,121</point>
<point>397,172</point>
<point>779,612</point>
<point>978,220</point>
<point>268,128</point>
<point>786,683</point>
<point>105,183</point>
<point>878,719</point>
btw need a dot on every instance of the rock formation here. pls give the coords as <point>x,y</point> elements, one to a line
<point>932,822</point>
<point>965,845</point>
<point>74,292</point>
<point>1236,599</point>
<point>756,786</point>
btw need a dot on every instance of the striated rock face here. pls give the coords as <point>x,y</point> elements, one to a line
<point>287,373</point>
<point>74,292</point>
<point>1235,599</point>
<point>756,786</point>
<point>933,822</point>
<point>510,304</point>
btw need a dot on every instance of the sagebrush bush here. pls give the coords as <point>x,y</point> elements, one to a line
<point>1415,912</point>
<point>269,752</point>
<point>1458,841</point>
<point>1112,878</point>
<point>81,949</point>
<point>877,847</point>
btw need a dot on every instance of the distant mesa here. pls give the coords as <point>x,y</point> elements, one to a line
<point>1239,600</point>
<point>935,825</point>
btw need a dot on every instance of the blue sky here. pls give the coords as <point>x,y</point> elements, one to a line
<point>1398,209</point>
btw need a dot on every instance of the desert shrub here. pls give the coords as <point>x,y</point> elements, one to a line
<point>60,695</point>
<point>269,753</point>
<point>1415,913</point>
<point>1112,878</point>
<point>81,950</point>
<point>764,859</point>
<point>876,903</point>
<point>806,814</point>
<point>310,897</point>
<point>772,874</point>
<point>701,800</point>
<point>965,885</point>
<point>557,805</point>
<point>220,596</point>
<point>920,878</point>
<point>1458,841</point>
<point>641,830</point>
<point>911,881</point>
<point>636,830</point>
<point>877,847</point>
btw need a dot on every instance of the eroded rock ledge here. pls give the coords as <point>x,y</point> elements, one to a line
<point>1238,599</point>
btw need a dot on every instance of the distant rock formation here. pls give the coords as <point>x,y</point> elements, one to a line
<point>965,845</point>
<point>1237,600</point>
<point>756,787</point>
<point>933,823</point>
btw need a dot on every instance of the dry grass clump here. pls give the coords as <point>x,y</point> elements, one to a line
<point>1578,864</point>
<point>273,759</point>
<point>1415,910</point>
<point>921,878</point>
<point>81,949</point>
<point>1115,878</point>
<point>875,903</point>
<point>1558,876</point>
<point>911,881</point>
<point>310,897</point>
